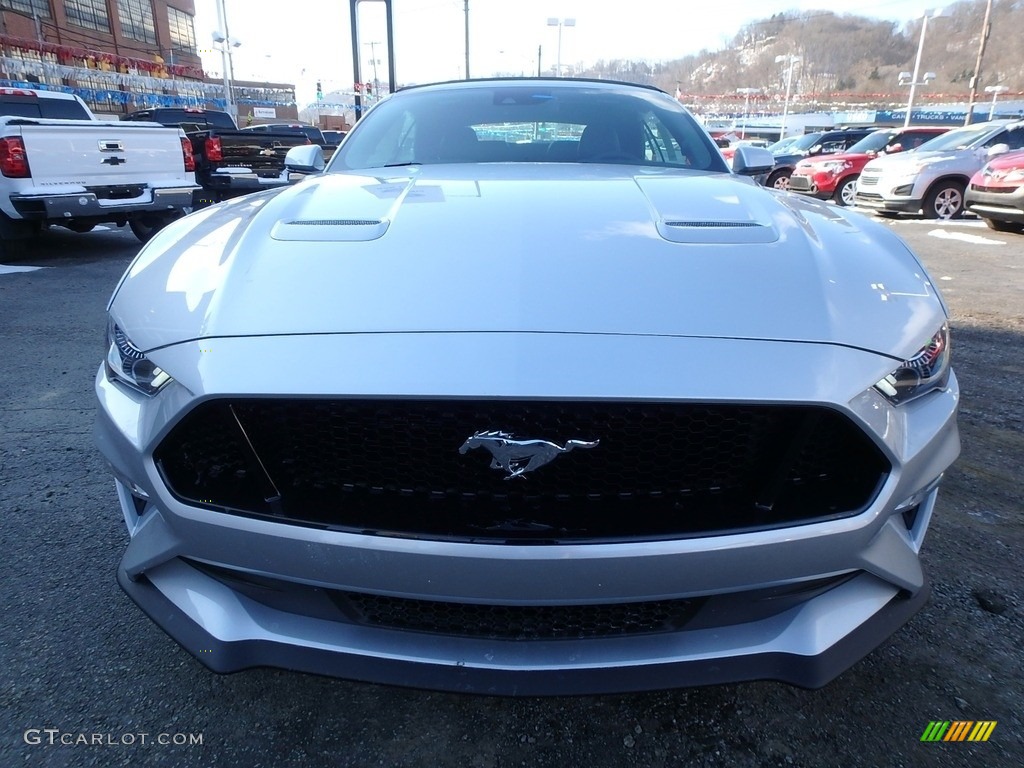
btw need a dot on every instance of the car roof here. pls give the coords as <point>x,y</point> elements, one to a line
<point>555,82</point>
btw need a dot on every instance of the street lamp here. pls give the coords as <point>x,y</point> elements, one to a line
<point>912,79</point>
<point>226,44</point>
<point>791,60</point>
<point>995,90</point>
<point>746,107</point>
<point>553,22</point>
<point>374,61</point>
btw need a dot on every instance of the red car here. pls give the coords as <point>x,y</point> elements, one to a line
<point>996,193</point>
<point>835,176</point>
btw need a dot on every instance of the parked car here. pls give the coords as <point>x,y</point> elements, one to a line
<point>932,179</point>
<point>313,134</point>
<point>62,166</point>
<point>996,193</point>
<point>835,176</point>
<point>228,162</point>
<point>484,407</point>
<point>809,145</point>
<point>334,138</point>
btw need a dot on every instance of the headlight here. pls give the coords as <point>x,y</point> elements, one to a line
<point>127,363</point>
<point>834,166</point>
<point>925,371</point>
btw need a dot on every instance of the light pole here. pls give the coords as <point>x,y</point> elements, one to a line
<point>995,90</point>
<point>553,22</point>
<point>226,44</point>
<point>373,63</point>
<point>917,63</point>
<point>746,107</point>
<point>791,60</point>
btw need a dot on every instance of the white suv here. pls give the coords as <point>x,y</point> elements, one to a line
<point>932,178</point>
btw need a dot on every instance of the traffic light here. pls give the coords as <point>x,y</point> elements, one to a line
<point>359,87</point>
<point>319,91</point>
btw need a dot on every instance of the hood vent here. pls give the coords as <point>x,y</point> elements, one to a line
<point>335,222</point>
<point>713,224</point>
<point>330,230</point>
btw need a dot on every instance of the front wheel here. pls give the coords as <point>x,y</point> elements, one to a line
<point>1004,226</point>
<point>147,225</point>
<point>779,180</point>
<point>845,192</point>
<point>945,201</point>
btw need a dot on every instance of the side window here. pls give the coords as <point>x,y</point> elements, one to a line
<point>831,147</point>
<point>1015,139</point>
<point>1003,137</point>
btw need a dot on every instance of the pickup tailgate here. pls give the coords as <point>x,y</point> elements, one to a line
<point>103,154</point>
<point>262,153</point>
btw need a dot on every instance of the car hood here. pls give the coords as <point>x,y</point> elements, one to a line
<point>856,157</point>
<point>531,248</point>
<point>905,160</point>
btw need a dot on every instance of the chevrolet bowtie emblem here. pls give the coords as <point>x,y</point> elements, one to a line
<point>517,457</point>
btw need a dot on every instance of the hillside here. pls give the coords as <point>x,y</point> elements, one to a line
<point>846,59</point>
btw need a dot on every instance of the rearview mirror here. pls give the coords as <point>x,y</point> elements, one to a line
<point>752,161</point>
<point>998,149</point>
<point>305,158</point>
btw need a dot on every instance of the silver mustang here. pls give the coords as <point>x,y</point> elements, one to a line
<point>527,393</point>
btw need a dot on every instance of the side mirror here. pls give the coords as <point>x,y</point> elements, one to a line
<point>894,148</point>
<point>998,149</point>
<point>752,161</point>
<point>305,158</point>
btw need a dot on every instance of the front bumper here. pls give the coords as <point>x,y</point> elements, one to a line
<point>1002,206</point>
<point>229,633</point>
<point>176,550</point>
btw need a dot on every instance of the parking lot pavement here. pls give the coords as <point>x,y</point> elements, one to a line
<point>79,659</point>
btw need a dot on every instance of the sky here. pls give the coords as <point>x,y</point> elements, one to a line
<point>311,41</point>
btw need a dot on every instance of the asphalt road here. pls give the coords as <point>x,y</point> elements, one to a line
<point>80,663</point>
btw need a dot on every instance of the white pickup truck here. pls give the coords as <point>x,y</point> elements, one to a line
<point>61,165</point>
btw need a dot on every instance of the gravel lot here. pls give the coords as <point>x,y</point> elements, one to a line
<point>78,657</point>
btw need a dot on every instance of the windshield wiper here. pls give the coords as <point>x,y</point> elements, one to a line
<point>396,165</point>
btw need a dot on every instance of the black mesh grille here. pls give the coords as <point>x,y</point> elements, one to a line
<point>393,467</point>
<point>520,622</point>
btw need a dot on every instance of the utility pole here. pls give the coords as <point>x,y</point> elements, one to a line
<point>538,59</point>
<point>986,29</point>
<point>466,6</point>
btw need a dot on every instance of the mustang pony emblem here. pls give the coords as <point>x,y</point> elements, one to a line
<point>517,457</point>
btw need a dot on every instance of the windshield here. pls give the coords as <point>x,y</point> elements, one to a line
<point>782,144</point>
<point>510,121</point>
<point>969,137</point>
<point>802,143</point>
<point>873,142</point>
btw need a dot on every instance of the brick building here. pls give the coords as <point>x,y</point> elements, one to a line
<point>118,55</point>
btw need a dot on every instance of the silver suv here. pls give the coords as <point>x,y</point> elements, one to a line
<point>932,179</point>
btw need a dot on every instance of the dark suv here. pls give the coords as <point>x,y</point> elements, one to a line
<point>810,145</point>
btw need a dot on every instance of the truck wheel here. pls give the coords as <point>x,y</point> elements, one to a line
<point>845,192</point>
<point>944,201</point>
<point>779,180</point>
<point>144,227</point>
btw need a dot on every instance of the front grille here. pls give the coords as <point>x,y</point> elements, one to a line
<point>520,622</point>
<point>394,467</point>
<point>997,190</point>
<point>866,180</point>
<point>802,183</point>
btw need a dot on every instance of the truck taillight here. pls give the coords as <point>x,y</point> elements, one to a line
<point>186,152</point>
<point>13,163</point>
<point>213,150</point>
